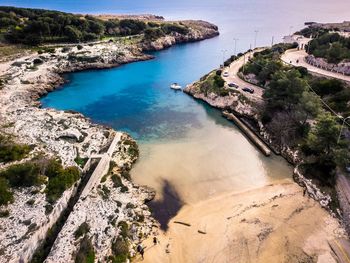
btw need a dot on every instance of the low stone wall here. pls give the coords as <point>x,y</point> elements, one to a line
<point>35,240</point>
<point>343,191</point>
<point>251,135</point>
<point>342,68</point>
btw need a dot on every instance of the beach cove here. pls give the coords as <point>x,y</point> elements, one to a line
<point>204,170</point>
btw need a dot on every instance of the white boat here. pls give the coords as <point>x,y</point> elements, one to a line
<point>175,86</point>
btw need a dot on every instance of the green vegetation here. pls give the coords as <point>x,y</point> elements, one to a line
<point>120,247</point>
<point>83,229</point>
<point>6,195</point>
<point>133,149</point>
<point>23,175</point>
<point>117,181</point>
<point>4,213</point>
<point>321,144</point>
<point>86,253</point>
<point>294,116</point>
<point>36,26</point>
<point>60,180</point>
<point>10,151</point>
<point>264,64</point>
<point>31,173</point>
<point>120,251</point>
<point>213,82</point>
<point>331,46</point>
<point>80,161</point>
<point>124,229</point>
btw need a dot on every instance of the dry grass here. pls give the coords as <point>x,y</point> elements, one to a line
<point>9,52</point>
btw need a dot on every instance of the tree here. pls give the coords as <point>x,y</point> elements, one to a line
<point>285,90</point>
<point>323,136</point>
<point>73,33</point>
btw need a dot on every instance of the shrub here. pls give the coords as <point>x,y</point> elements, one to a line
<point>31,202</point>
<point>86,253</point>
<point>117,181</point>
<point>63,180</point>
<point>124,229</point>
<point>4,213</point>
<point>120,251</point>
<point>6,196</point>
<point>83,229</point>
<point>22,175</point>
<point>79,47</point>
<point>10,151</point>
<point>219,81</point>
<point>170,28</point>
<point>153,34</point>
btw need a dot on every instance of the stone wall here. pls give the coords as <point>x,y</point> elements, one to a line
<point>342,68</point>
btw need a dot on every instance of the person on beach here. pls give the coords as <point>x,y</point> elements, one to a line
<point>155,241</point>
<point>140,249</point>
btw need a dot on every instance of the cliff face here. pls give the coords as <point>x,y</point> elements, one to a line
<point>197,30</point>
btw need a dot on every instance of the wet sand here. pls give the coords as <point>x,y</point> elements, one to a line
<point>205,163</point>
<point>274,223</point>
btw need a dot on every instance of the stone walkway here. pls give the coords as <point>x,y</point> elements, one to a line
<point>102,167</point>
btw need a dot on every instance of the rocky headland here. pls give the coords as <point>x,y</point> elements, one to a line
<point>113,206</point>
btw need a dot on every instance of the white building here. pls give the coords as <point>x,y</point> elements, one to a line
<point>301,40</point>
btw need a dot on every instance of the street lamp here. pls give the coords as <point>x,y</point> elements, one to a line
<point>223,56</point>
<point>256,35</point>
<point>235,39</point>
<point>342,126</point>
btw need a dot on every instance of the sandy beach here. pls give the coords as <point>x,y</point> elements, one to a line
<point>274,223</point>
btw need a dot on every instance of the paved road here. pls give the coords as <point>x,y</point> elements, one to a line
<point>233,70</point>
<point>292,55</point>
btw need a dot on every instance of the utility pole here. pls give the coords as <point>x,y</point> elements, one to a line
<point>256,35</point>
<point>342,127</point>
<point>235,39</point>
<point>223,56</point>
<point>243,63</point>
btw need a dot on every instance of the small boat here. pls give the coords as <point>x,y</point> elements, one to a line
<point>175,86</point>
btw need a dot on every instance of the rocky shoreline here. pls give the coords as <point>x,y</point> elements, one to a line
<point>69,135</point>
<point>247,111</point>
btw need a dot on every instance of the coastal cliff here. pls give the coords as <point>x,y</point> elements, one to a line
<point>197,30</point>
<point>69,135</point>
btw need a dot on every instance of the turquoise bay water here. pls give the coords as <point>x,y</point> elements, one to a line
<point>188,151</point>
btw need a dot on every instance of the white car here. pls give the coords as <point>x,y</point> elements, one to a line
<point>226,74</point>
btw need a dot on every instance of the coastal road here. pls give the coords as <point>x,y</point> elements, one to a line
<point>233,77</point>
<point>291,57</point>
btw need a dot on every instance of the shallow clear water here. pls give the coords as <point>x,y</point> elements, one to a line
<point>188,151</point>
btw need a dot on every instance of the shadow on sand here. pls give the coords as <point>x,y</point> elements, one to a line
<point>166,208</point>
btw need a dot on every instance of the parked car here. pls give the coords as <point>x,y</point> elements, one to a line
<point>226,74</point>
<point>233,85</point>
<point>347,168</point>
<point>246,89</point>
